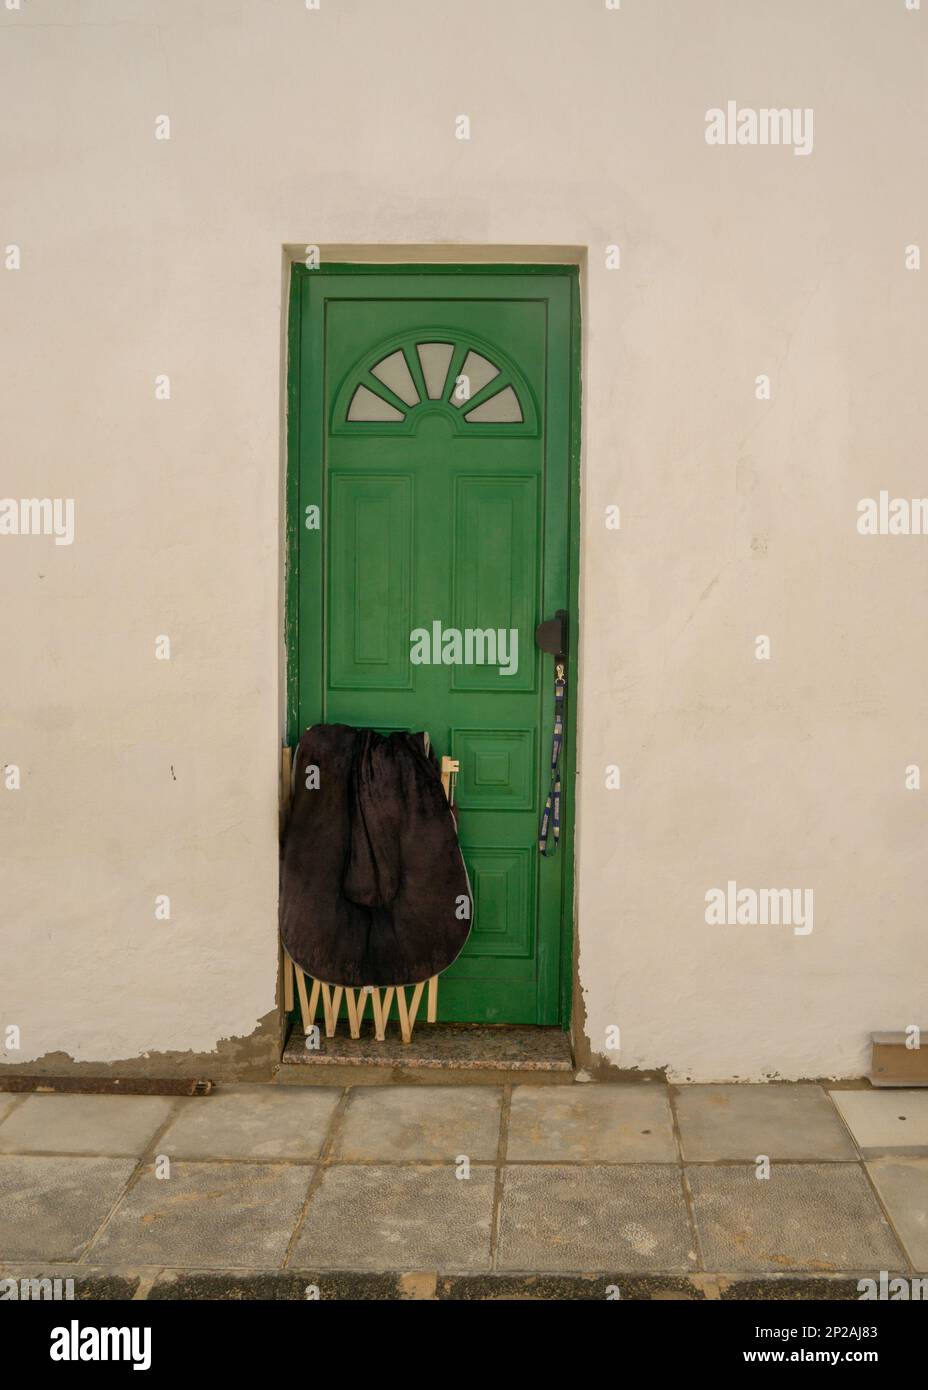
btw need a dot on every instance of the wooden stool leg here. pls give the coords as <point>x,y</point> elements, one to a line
<point>377,1006</point>
<point>405,1026</point>
<point>432,1011</point>
<point>414,1006</point>
<point>331,1003</point>
<point>308,1006</point>
<point>304,1002</point>
<point>353,1025</point>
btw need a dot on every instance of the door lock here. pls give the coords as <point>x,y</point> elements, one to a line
<point>551,635</point>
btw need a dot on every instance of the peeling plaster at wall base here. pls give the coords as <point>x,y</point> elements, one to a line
<point>249,1058</point>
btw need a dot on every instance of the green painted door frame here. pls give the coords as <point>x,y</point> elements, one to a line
<point>352,456</point>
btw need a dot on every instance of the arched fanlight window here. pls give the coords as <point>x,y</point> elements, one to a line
<point>424,372</point>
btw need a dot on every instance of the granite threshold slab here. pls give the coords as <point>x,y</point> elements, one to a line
<point>440,1047</point>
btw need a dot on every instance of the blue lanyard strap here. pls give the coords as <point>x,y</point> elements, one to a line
<point>551,816</point>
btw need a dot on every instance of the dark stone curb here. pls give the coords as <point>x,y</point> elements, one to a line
<point>350,1286</point>
<point>275,1286</point>
<point>596,1288</point>
<point>787,1288</point>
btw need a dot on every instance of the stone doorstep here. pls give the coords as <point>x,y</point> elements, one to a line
<point>530,1052</point>
<point>157,1283</point>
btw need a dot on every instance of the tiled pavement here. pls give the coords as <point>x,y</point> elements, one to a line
<point>466,1191</point>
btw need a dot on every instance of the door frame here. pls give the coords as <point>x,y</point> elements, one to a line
<point>295,447</point>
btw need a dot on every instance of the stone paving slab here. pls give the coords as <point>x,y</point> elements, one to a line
<point>893,1121</point>
<point>558,1217</point>
<point>591,1182</point>
<point>903,1187</point>
<point>252,1122</point>
<point>420,1122</point>
<point>109,1125</point>
<point>806,1216</point>
<point>410,1216</point>
<point>207,1214</point>
<point>51,1207</point>
<point>7,1103</point>
<point>741,1122</point>
<point>610,1124</point>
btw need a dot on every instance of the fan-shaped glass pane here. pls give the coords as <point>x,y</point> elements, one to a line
<point>435,359</point>
<point>474,375</point>
<point>366,406</point>
<point>501,409</point>
<point>394,372</point>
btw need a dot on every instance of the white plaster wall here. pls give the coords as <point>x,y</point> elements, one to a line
<point>738,516</point>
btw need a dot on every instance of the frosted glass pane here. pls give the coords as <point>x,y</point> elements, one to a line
<point>366,406</point>
<point>435,359</point>
<point>501,409</point>
<point>394,372</point>
<point>478,372</point>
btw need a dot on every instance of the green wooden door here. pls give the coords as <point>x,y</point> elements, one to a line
<point>431,425</point>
